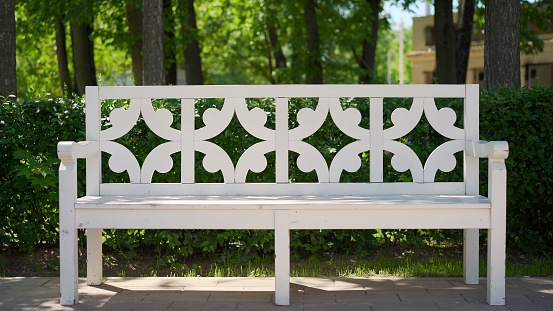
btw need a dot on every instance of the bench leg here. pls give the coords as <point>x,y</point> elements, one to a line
<point>496,267</point>
<point>282,258</point>
<point>69,294</point>
<point>470,256</point>
<point>68,267</point>
<point>497,191</point>
<point>94,256</point>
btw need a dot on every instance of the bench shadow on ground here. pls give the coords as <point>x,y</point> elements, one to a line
<point>258,294</point>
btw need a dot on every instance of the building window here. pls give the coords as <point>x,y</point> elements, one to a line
<point>428,77</point>
<point>479,76</point>
<point>429,35</point>
<point>539,74</point>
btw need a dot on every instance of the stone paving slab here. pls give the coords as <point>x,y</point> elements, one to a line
<point>249,294</point>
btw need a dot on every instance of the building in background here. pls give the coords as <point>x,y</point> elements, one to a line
<point>535,69</point>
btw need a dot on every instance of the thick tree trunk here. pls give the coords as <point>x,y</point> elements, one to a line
<point>314,70</point>
<point>153,42</point>
<point>83,56</point>
<point>366,63</point>
<point>134,22</point>
<point>61,53</point>
<point>169,44</point>
<point>8,75</point>
<point>465,25</point>
<point>192,57</point>
<point>502,44</point>
<point>444,32</point>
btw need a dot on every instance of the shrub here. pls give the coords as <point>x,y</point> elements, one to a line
<point>524,118</point>
<point>29,132</point>
<point>30,129</point>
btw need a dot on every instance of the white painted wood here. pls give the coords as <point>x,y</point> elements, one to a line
<point>471,258</point>
<point>497,190</point>
<point>281,140</point>
<point>121,160</point>
<point>270,189</point>
<point>122,121</point>
<point>389,218</point>
<point>442,158</point>
<point>347,159</point>
<point>491,149</point>
<point>377,148</point>
<point>253,159</point>
<point>405,159</point>
<point>310,120</point>
<point>282,258</point>
<point>319,202</point>
<point>68,233</point>
<point>405,120</point>
<point>93,126</point>
<point>471,121</point>
<point>253,120</point>
<point>443,120</point>
<point>310,159</point>
<point>267,91</point>
<point>216,121</point>
<point>187,141</point>
<point>347,120</point>
<point>109,218</point>
<point>159,121</point>
<point>283,205</point>
<point>216,159</point>
<point>159,159</point>
<point>69,150</point>
<point>94,256</point>
<point>315,219</point>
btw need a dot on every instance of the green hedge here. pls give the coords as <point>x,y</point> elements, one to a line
<point>525,119</point>
<point>30,129</point>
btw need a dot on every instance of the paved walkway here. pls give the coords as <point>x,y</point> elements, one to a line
<point>256,294</point>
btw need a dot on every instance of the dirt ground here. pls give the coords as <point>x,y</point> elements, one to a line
<point>45,261</point>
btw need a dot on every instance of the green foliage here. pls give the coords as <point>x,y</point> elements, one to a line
<point>29,131</point>
<point>28,180</point>
<point>525,119</point>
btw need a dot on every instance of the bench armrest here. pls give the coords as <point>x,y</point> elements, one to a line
<point>69,151</point>
<point>493,150</point>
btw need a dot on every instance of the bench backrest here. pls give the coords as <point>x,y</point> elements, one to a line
<point>371,141</point>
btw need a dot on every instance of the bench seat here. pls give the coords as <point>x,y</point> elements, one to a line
<point>306,212</point>
<point>222,202</point>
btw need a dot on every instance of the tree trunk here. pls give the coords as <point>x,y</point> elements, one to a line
<point>314,70</point>
<point>169,45</point>
<point>465,25</point>
<point>280,59</point>
<point>61,53</point>
<point>134,22</point>
<point>83,56</point>
<point>153,42</point>
<point>8,75</point>
<point>192,58</point>
<point>502,44</point>
<point>273,42</point>
<point>444,32</point>
<point>366,63</point>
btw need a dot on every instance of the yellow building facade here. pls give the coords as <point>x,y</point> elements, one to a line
<point>535,69</point>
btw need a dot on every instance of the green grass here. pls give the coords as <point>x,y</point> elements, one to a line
<point>378,266</point>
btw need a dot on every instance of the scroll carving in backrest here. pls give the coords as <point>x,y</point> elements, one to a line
<point>281,140</point>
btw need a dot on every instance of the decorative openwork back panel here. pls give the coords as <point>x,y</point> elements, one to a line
<point>372,141</point>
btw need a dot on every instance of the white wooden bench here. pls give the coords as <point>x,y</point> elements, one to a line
<point>283,205</point>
